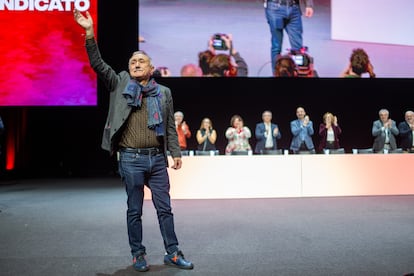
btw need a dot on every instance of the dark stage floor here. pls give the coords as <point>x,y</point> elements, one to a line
<point>77,227</point>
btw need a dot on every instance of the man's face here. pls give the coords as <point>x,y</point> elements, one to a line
<point>409,117</point>
<point>140,67</point>
<point>178,118</point>
<point>267,117</point>
<point>300,113</point>
<point>383,116</point>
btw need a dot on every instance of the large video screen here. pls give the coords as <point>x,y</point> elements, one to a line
<point>43,57</point>
<point>174,32</point>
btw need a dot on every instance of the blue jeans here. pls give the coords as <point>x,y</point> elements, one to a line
<point>137,170</point>
<point>283,18</point>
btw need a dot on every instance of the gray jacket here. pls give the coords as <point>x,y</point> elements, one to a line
<point>119,110</point>
<point>379,133</point>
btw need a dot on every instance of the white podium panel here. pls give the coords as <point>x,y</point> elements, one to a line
<point>376,21</point>
<point>243,176</point>
<point>276,176</point>
<point>360,174</point>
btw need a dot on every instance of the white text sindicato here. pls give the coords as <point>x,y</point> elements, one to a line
<point>44,5</point>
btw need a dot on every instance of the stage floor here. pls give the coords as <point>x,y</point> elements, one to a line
<point>77,226</point>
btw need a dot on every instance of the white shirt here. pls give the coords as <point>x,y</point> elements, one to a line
<point>269,136</point>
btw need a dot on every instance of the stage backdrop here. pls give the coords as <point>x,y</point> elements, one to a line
<point>43,59</point>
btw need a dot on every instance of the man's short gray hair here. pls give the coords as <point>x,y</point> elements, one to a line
<point>140,52</point>
<point>383,110</point>
<point>409,112</point>
<point>179,113</point>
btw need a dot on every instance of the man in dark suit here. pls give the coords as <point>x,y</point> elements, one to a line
<point>406,129</point>
<point>267,134</point>
<point>140,128</point>
<point>384,131</point>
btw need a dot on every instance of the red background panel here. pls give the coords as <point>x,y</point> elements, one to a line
<point>43,59</point>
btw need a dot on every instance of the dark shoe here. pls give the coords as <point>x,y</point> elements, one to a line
<point>140,264</point>
<point>177,259</point>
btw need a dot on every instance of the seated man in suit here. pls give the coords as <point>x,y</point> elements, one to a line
<point>267,134</point>
<point>406,129</point>
<point>302,131</point>
<point>384,131</point>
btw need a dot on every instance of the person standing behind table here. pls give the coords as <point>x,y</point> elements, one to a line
<point>267,134</point>
<point>286,15</point>
<point>237,135</point>
<point>406,130</point>
<point>384,131</point>
<point>302,131</point>
<point>206,136</point>
<point>140,128</point>
<point>183,130</point>
<point>329,132</point>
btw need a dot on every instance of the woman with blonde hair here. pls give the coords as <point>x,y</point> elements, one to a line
<point>206,136</point>
<point>329,132</point>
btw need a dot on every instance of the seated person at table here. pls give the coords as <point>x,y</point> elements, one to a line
<point>237,135</point>
<point>267,134</point>
<point>329,132</point>
<point>384,131</point>
<point>206,136</point>
<point>183,130</point>
<point>406,129</point>
<point>302,131</point>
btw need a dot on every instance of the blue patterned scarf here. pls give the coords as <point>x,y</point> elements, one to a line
<point>134,92</point>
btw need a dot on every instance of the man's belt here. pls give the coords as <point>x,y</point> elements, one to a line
<point>144,151</point>
<point>284,2</point>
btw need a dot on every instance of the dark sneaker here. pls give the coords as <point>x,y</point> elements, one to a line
<point>140,264</point>
<point>177,259</point>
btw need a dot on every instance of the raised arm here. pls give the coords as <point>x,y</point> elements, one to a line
<point>104,71</point>
<point>85,21</point>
